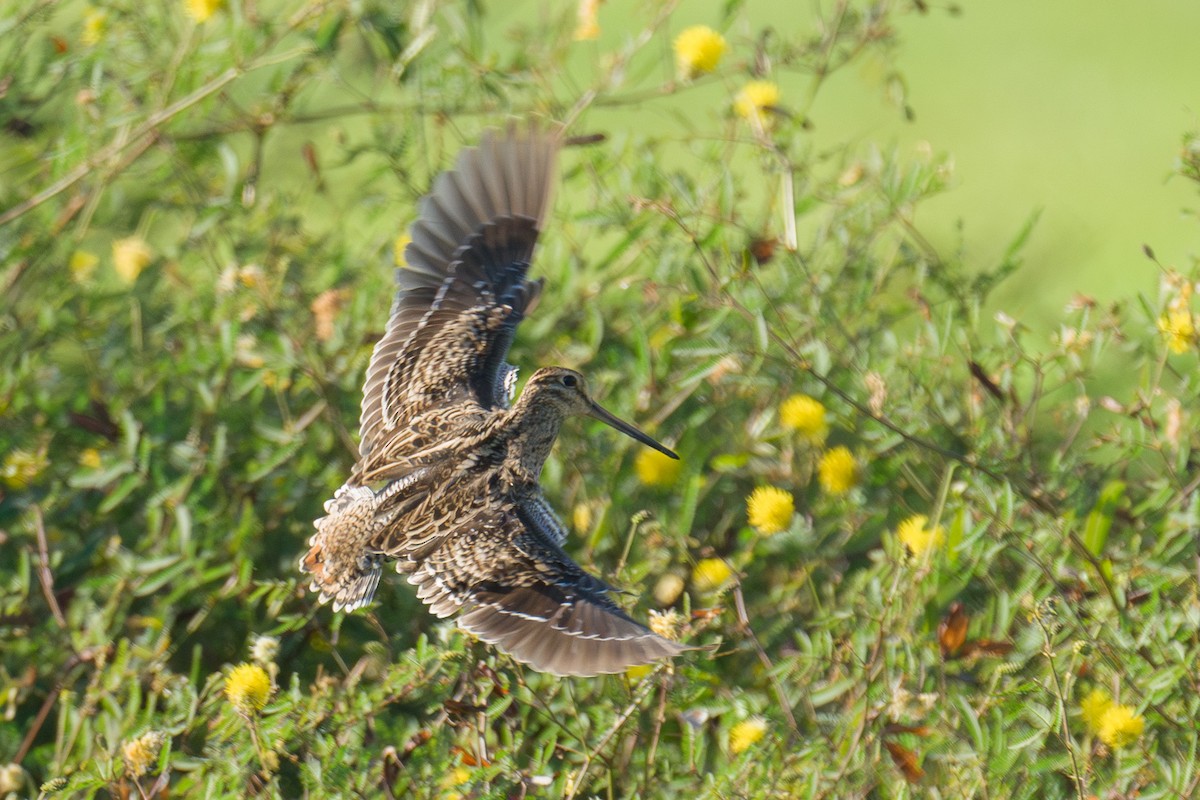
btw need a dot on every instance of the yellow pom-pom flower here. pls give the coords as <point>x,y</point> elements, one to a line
<point>638,672</point>
<point>806,416</point>
<point>1120,726</point>
<point>668,589</point>
<point>82,265</point>
<point>698,50</point>
<point>1179,329</point>
<point>587,27</point>
<point>656,469</point>
<point>140,753</point>
<point>95,25</point>
<point>837,471</point>
<point>22,468</point>
<point>130,257</point>
<point>746,733</point>
<point>1093,707</point>
<point>755,101</point>
<point>582,517</point>
<point>247,688</point>
<point>710,574</point>
<point>264,649</point>
<point>14,779</point>
<point>667,624</point>
<point>770,509</point>
<point>916,535</point>
<point>201,10</point>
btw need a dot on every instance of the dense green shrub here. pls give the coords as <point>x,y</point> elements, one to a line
<point>197,222</point>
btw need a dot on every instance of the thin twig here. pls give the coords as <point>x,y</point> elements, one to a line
<point>622,718</point>
<point>744,625</point>
<point>48,703</point>
<point>125,139</point>
<point>1077,776</point>
<point>45,576</point>
<point>121,143</point>
<point>660,717</point>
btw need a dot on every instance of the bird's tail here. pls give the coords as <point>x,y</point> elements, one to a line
<point>341,569</point>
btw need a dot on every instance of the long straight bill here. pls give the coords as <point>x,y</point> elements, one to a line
<point>624,427</point>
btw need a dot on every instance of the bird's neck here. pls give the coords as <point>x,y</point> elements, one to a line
<point>532,428</point>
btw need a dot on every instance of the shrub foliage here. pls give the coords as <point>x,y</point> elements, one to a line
<point>200,204</point>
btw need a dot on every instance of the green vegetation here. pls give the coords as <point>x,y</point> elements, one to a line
<point>973,569</point>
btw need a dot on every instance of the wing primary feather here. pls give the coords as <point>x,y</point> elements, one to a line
<point>465,226</point>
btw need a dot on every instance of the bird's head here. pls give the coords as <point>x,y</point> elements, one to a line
<point>565,390</point>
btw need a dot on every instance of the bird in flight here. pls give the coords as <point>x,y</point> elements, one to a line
<point>446,484</point>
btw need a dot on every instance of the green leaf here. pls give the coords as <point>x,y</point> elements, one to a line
<point>1100,518</point>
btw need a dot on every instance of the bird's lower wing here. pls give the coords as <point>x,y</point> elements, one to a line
<point>520,592</point>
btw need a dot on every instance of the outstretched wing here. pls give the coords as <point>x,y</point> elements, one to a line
<point>463,289</point>
<point>519,591</point>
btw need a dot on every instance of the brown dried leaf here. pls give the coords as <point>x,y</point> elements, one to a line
<point>905,761</point>
<point>893,728</point>
<point>952,630</point>
<point>986,647</point>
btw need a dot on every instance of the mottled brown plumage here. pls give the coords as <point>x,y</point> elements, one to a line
<point>460,510</point>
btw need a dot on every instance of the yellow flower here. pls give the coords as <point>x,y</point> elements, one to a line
<point>710,574</point>
<point>746,733</point>
<point>244,355</point>
<point>806,416</point>
<point>666,624</point>
<point>264,649</point>
<point>398,248</point>
<point>698,50</point>
<point>325,309</point>
<point>668,589</point>
<point>1120,727</point>
<point>1093,708</point>
<point>918,538</point>
<point>588,27</point>
<point>22,467</point>
<point>142,752</point>
<point>581,517</point>
<point>95,24</point>
<point>82,265</point>
<point>639,671</point>
<point>251,276</point>
<point>1179,329</point>
<point>656,469</point>
<point>837,471</point>
<point>130,257</point>
<point>201,10</point>
<point>273,380</point>
<point>13,779</point>
<point>90,458</point>
<point>770,509</point>
<point>247,687</point>
<point>755,100</point>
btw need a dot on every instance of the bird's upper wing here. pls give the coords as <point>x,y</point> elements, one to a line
<point>463,289</point>
<point>523,594</point>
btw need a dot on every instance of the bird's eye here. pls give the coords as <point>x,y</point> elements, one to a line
<point>570,381</point>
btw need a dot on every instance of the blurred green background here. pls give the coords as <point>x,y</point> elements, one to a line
<point>1073,108</point>
<point>169,428</point>
<point>1065,108</point>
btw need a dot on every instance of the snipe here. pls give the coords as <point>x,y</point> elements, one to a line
<point>460,510</point>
